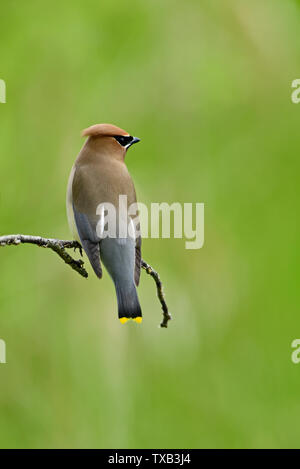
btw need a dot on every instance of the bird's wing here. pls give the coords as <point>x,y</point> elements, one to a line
<point>86,220</point>
<point>138,260</point>
<point>136,232</point>
<point>88,240</point>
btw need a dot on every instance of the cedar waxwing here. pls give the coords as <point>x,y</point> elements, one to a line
<point>100,176</point>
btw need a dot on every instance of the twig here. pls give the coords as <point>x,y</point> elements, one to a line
<point>59,246</point>
<point>166,315</point>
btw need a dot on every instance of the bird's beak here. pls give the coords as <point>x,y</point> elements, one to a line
<point>134,140</point>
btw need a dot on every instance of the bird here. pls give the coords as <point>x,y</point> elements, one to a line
<point>99,176</point>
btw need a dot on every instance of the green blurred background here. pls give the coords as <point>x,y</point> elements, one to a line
<point>206,85</point>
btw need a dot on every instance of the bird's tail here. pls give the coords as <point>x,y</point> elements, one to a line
<point>128,303</point>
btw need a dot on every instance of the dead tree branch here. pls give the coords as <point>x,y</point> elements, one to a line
<point>59,246</point>
<point>159,287</point>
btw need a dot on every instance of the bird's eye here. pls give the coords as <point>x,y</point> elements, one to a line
<point>124,141</point>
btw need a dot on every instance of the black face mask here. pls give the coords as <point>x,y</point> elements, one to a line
<point>124,141</point>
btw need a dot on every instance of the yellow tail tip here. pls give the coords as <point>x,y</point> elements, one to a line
<point>123,320</point>
<point>138,319</point>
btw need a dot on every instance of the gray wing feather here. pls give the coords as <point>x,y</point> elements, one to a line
<point>89,240</point>
<point>138,260</point>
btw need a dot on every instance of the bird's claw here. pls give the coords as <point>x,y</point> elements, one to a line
<point>79,247</point>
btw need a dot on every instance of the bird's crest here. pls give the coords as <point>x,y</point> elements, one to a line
<point>106,130</point>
